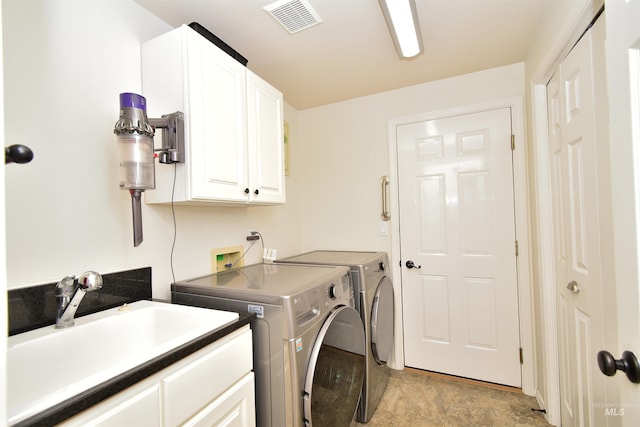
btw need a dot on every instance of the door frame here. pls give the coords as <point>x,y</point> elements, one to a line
<point>523,261</point>
<point>541,167</point>
<point>3,254</point>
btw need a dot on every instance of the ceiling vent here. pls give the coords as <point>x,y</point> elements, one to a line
<point>294,15</point>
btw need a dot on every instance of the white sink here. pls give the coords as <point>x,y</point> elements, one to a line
<point>47,366</point>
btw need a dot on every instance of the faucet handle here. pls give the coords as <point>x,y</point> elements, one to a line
<point>65,286</point>
<point>90,281</point>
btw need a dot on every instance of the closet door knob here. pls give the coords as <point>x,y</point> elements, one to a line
<point>628,364</point>
<point>246,191</point>
<point>257,192</point>
<point>573,287</point>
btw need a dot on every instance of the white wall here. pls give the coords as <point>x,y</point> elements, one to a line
<point>345,152</point>
<point>65,64</point>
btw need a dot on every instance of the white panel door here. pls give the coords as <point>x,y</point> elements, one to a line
<point>623,77</point>
<point>457,226</point>
<point>577,240</point>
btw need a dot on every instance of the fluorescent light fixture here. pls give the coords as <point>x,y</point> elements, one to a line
<point>402,20</point>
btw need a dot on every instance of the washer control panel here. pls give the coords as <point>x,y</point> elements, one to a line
<point>340,291</point>
<point>314,303</point>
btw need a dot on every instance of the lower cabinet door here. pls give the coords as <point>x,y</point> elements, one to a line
<point>140,409</point>
<point>234,408</point>
<point>205,375</point>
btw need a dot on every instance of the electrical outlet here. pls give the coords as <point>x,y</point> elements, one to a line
<point>269,255</point>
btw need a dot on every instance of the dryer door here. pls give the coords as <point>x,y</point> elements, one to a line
<point>382,321</point>
<point>336,370</point>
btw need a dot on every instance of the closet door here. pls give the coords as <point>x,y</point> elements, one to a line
<point>577,203</point>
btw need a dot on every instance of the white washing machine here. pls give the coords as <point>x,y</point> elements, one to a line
<point>374,301</point>
<point>309,342</point>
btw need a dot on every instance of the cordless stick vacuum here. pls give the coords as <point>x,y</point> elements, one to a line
<point>135,146</point>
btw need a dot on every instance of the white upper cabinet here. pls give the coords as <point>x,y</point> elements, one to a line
<point>233,123</point>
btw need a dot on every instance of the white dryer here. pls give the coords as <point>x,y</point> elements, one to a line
<point>309,342</point>
<point>374,301</point>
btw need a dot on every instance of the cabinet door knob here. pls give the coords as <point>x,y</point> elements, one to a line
<point>246,191</point>
<point>257,192</point>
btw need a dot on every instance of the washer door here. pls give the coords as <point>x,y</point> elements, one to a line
<point>382,321</point>
<point>336,370</point>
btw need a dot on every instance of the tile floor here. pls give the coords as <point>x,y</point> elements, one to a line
<point>417,398</point>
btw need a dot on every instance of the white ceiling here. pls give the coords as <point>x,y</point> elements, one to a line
<point>351,53</point>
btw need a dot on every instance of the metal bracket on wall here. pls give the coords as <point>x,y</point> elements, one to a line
<point>172,126</point>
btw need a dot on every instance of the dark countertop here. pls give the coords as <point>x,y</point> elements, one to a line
<point>87,399</point>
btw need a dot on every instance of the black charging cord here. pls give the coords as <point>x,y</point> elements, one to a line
<point>175,224</point>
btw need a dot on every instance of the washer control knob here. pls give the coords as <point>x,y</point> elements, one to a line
<point>333,291</point>
<point>381,266</point>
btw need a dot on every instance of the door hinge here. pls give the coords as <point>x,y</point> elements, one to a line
<point>513,142</point>
<point>521,356</point>
<point>517,249</point>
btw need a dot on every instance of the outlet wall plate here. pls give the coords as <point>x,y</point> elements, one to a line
<point>224,258</point>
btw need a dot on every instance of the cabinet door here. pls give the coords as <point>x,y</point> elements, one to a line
<point>216,129</point>
<point>265,141</point>
<point>204,377</point>
<point>234,408</point>
<point>139,406</point>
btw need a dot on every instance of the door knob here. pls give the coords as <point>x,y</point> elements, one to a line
<point>573,286</point>
<point>628,364</point>
<point>410,264</point>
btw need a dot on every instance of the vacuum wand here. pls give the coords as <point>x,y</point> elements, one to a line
<point>136,209</point>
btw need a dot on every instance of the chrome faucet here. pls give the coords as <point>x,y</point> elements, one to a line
<point>70,291</point>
